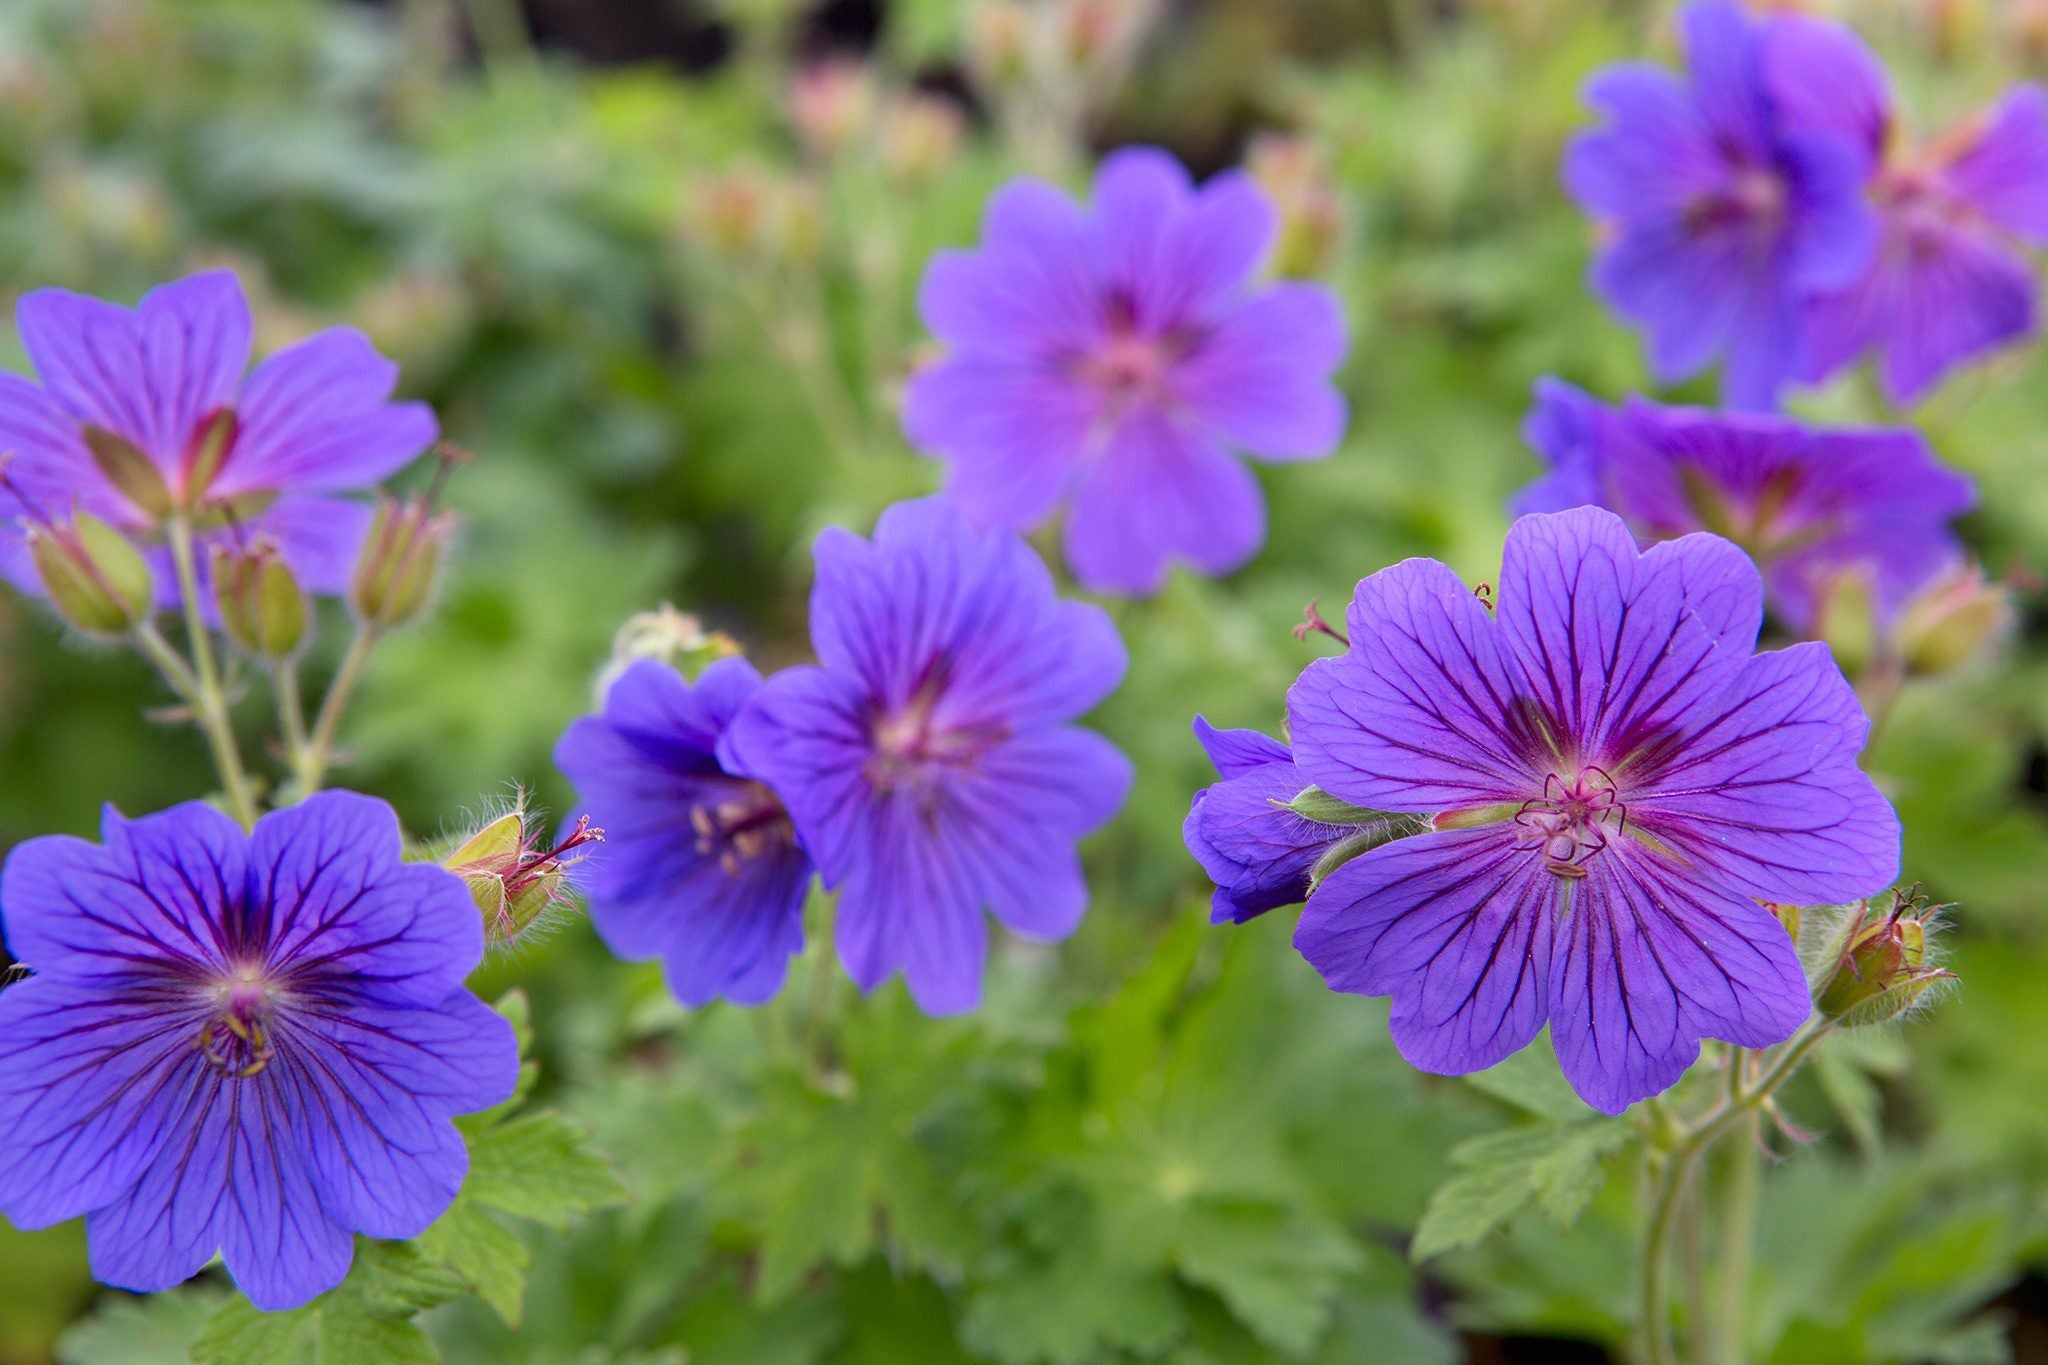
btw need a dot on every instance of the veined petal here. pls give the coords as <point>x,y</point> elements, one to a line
<point>315,416</point>
<point>1237,752</point>
<point>1421,713</point>
<point>1761,785</point>
<point>1457,926</point>
<point>1159,493</point>
<point>1011,434</point>
<point>1651,958</point>
<point>1260,376</point>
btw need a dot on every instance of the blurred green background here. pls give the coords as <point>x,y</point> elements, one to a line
<point>656,264</point>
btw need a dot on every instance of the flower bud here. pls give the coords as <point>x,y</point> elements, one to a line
<point>921,138</point>
<point>999,42</point>
<point>1953,622</point>
<point>1876,967</point>
<point>1846,618</point>
<point>131,471</point>
<point>261,605</point>
<point>831,104</point>
<point>512,880</point>
<point>395,572</point>
<point>673,637</point>
<point>1295,174</point>
<point>95,578</point>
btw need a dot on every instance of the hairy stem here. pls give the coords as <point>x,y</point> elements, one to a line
<point>1738,1240</point>
<point>1669,1184</point>
<point>209,701</point>
<point>291,710</point>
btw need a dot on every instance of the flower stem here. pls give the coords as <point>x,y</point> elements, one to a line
<point>819,992</point>
<point>314,756</point>
<point>291,711</point>
<point>208,700</point>
<point>1669,1184</point>
<point>1738,1240</point>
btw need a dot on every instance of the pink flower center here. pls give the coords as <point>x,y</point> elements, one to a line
<point>749,822</point>
<point>236,1040</point>
<point>1572,820</point>
<point>912,748</point>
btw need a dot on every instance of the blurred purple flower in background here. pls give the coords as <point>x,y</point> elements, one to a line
<point>1110,359</point>
<point>927,759</point>
<point>146,412</point>
<point>1947,282</point>
<point>243,1044</point>
<point>1615,782</point>
<point>700,867</point>
<point>1258,853</point>
<point>1809,504</point>
<point>1726,215</point>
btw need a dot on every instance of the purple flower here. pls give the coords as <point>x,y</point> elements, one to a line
<point>926,759</point>
<point>1947,282</point>
<point>244,1044</point>
<point>160,392</point>
<point>1109,359</point>
<point>1258,854</point>
<point>700,866</point>
<point>1725,216</point>
<point>1615,782</point>
<point>1808,504</point>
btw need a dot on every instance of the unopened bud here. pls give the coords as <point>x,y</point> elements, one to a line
<point>729,211</point>
<point>1846,618</point>
<point>1294,173</point>
<point>831,104</point>
<point>921,138</point>
<point>511,878</point>
<point>999,41</point>
<point>1876,967</point>
<point>95,578</point>
<point>1953,622</point>
<point>132,472</point>
<point>400,559</point>
<point>261,605</point>
<point>673,637</point>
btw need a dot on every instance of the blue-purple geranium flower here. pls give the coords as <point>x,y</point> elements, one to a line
<point>1948,281</point>
<point>1258,851</point>
<point>1810,504</point>
<point>700,866</point>
<point>145,410</point>
<point>1615,781</point>
<point>1110,359</point>
<point>1726,216</point>
<point>927,760</point>
<point>243,1044</point>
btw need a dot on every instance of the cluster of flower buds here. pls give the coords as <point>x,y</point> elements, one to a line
<point>832,103</point>
<point>260,603</point>
<point>514,880</point>
<point>1875,965</point>
<point>401,557</point>
<point>668,636</point>
<point>1953,622</point>
<point>747,215</point>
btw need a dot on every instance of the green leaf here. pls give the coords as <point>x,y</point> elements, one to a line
<point>489,1256</point>
<point>1532,1081</point>
<point>1277,1272</point>
<point>240,1334</point>
<point>1556,1167</point>
<point>157,1330</point>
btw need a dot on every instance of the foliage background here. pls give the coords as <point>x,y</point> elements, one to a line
<point>1161,1141</point>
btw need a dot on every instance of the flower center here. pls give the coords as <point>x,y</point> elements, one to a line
<point>910,747</point>
<point>749,822</point>
<point>1572,820</point>
<point>236,1039</point>
<point>1755,198</point>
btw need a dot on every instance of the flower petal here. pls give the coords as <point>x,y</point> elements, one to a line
<point>1260,376</point>
<point>1609,653</point>
<point>2002,173</point>
<point>1160,493</point>
<point>89,1079</point>
<point>337,903</point>
<point>1237,752</point>
<point>1420,714</point>
<point>1457,927</point>
<point>315,417</point>
<point>1762,786</point>
<point>151,897</point>
<point>1650,959</point>
<point>1011,434</point>
<point>1258,854</point>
